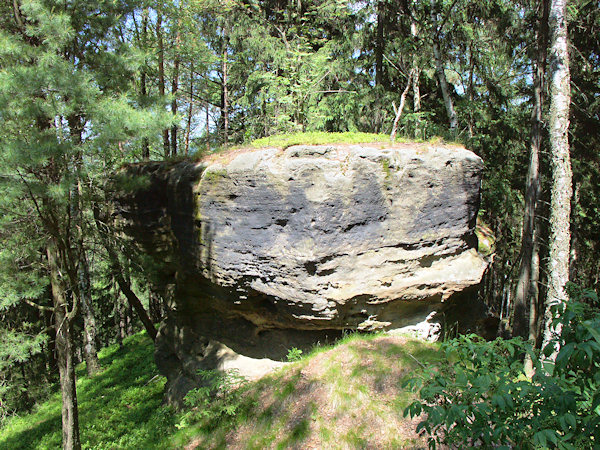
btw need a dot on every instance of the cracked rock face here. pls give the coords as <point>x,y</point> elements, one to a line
<point>271,249</point>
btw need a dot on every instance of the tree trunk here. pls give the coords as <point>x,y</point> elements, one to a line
<point>225,95</point>
<point>190,111</point>
<point>471,91</point>
<point>64,352</point>
<point>155,305</point>
<point>122,320</point>
<point>574,235</point>
<point>90,353</point>
<point>143,92</point>
<point>161,78</point>
<point>561,191</point>
<point>439,69</point>
<point>207,128</point>
<point>174,89</point>
<point>118,272</point>
<point>133,299</point>
<point>415,84</point>
<point>379,45</point>
<point>400,108</point>
<point>529,263</point>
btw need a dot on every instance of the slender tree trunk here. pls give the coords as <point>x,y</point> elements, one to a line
<point>118,273</point>
<point>207,128</point>
<point>400,108</point>
<point>143,92</point>
<point>379,45</point>
<point>574,235</point>
<point>190,111</point>
<point>560,203</point>
<point>415,84</point>
<point>439,69</point>
<point>534,299</point>
<point>174,89</point>
<point>117,312</point>
<point>64,352</point>
<point>161,78</point>
<point>129,317</point>
<point>121,307</point>
<point>90,353</point>
<point>471,91</point>
<point>225,94</point>
<point>529,263</point>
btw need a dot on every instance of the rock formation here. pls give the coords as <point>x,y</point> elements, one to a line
<point>272,249</point>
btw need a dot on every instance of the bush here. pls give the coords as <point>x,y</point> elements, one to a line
<point>482,397</point>
<point>294,354</point>
<point>220,397</point>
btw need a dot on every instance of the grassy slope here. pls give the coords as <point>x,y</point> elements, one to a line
<point>349,395</point>
<point>119,408</point>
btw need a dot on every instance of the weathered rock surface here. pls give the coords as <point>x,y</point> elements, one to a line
<point>272,249</point>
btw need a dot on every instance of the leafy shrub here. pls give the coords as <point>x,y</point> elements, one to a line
<point>221,396</point>
<point>294,354</point>
<point>482,397</point>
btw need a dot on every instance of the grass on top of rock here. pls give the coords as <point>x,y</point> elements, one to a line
<point>319,138</point>
<point>346,395</point>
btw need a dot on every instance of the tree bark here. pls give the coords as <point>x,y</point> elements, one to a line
<point>379,44</point>
<point>161,77</point>
<point>207,128</point>
<point>225,94</point>
<point>90,353</point>
<point>528,274</point>
<point>174,89</point>
<point>415,84</point>
<point>400,108</point>
<point>574,234</point>
<point>561,191</point>
<point>64,352</point>
<point>188,130</point>
<point>439,69</point>
<point>143,91</point>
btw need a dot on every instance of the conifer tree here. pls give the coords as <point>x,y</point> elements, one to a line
<point>66,118</point>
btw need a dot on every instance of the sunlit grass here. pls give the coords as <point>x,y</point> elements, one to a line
<point>319,138</point>
<point>330,396</point>
<point>121,407</point>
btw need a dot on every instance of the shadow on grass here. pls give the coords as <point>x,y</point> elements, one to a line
<point>118,408</point>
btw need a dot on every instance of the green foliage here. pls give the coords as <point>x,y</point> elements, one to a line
<point>319,138</point>
<point>119,408</point>
<point>220,398</point>
<point>482,396</point>
<point>294,354</point>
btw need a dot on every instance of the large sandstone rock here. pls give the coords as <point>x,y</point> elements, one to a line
<point>272,249</point>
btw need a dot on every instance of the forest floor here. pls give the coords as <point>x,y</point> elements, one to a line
<point>349,395</point>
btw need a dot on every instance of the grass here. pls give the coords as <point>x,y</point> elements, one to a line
<point>119,408</point>
<point>283,141</point>
<point>342,396</point>
<point>318,138</point>
<point>348,395</point>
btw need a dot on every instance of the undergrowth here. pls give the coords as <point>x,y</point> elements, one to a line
<point>347,394</point>
<point>121,407</point>
<point>481,396</point>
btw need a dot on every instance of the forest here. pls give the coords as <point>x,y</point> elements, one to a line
<point>89,87</point>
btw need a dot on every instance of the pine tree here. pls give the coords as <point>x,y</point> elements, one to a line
<point>66,117</point>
